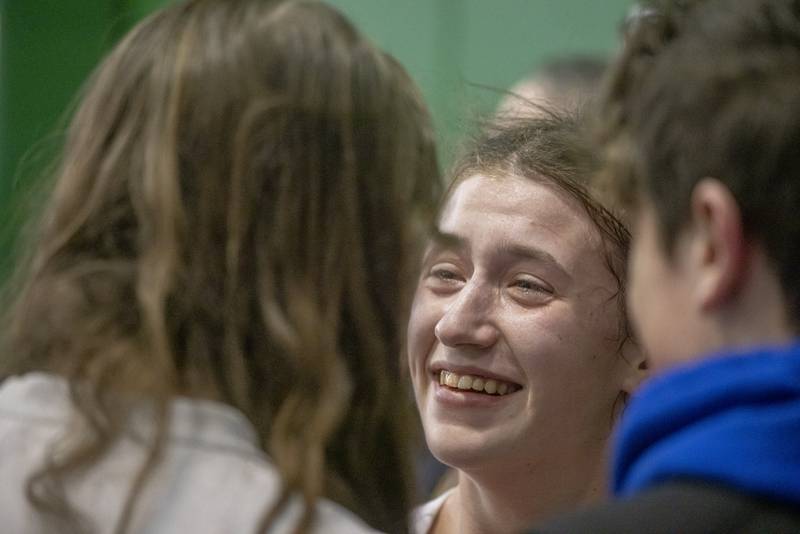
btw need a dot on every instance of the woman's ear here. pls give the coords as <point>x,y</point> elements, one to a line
<point>635,367</point>
<point>634,371</point>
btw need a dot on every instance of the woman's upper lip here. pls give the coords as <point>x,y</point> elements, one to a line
<point>436,367</point>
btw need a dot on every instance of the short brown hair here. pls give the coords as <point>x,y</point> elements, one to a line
<point>709,89</point>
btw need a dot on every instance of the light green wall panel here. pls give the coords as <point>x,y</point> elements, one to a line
<point>48,47</point>
<point>455,48</point>
<point>425,35</point>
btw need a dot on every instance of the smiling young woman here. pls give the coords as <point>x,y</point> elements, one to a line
<point>518,344</point>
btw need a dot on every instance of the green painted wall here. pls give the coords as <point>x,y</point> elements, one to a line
<point>48,47</point>
<point>453,46</point>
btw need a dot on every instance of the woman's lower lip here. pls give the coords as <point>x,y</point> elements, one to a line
<point>466,398</point>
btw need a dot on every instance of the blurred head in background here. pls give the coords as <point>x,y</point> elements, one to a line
<point>563,83</point>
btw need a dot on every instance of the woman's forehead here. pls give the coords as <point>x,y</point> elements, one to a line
<point>497,213</point>
<point>528,203</point>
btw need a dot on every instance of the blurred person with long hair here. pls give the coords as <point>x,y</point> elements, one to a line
<point>205,336</point>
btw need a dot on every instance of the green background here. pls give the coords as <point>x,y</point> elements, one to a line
<point>451,47</point>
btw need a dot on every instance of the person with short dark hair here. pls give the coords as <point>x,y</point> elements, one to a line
<point>700,130</point>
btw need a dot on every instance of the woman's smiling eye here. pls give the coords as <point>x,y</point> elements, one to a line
<point>531,288</point>
<point>444,276</point>
<point>528,285</point>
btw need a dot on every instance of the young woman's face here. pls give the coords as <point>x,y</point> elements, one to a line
<point>514,331</point>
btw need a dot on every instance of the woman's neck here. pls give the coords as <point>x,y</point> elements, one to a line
<point>513,500</point>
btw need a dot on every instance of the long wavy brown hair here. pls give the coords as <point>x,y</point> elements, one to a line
<point>235,216</point>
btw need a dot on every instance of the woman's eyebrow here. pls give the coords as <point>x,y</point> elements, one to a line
<point>440,239</point>
<point>525,252</point>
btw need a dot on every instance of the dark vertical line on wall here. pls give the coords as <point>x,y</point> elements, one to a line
<point>450,30</point>
<point>450,43</point>
<point>3,110</point>
<point>121,20</point>
<point>6,159</point>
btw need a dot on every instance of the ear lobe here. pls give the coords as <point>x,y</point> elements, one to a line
<point>718,247</point>
<point>636,367</point>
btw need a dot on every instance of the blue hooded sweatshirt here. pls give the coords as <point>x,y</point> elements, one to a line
<point>732,419</point>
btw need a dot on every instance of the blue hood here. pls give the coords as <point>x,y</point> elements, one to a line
<point>732,419</point>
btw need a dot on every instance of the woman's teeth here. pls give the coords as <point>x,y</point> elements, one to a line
<point>475,383</point>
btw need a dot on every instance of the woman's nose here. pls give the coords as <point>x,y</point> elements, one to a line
<point>468,319</point>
